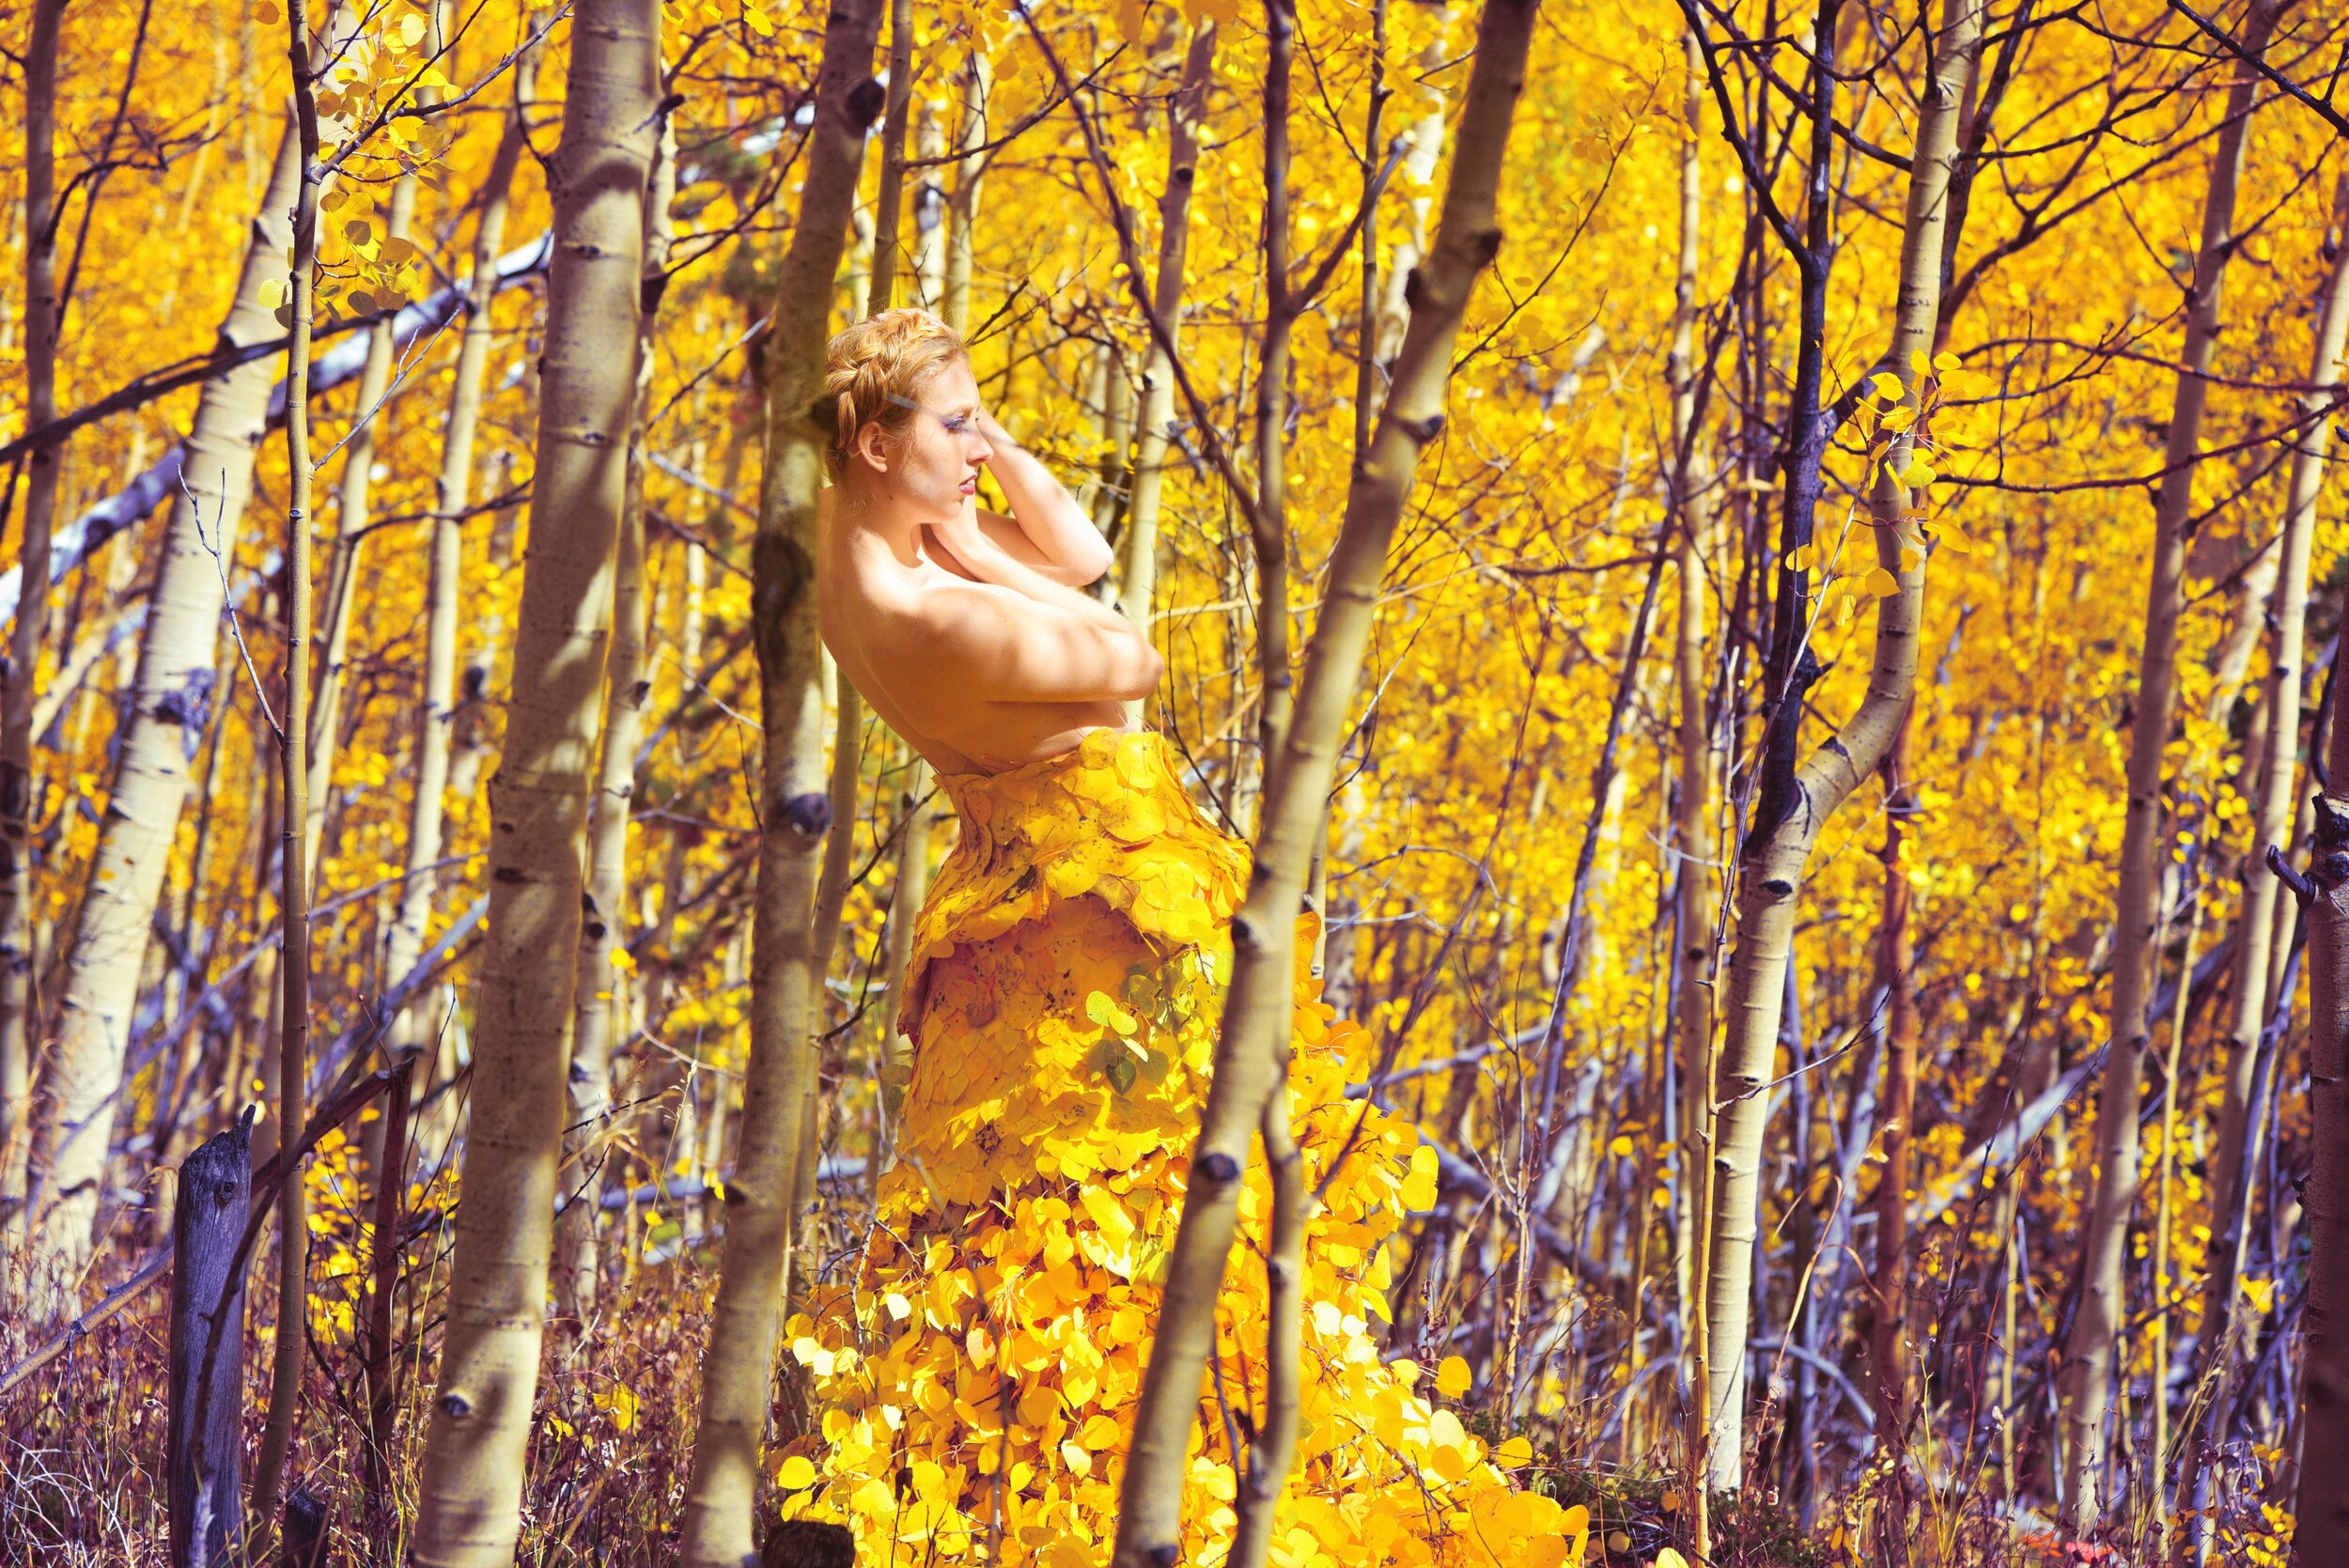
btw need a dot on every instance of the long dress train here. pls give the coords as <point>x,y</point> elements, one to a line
<point>978,1364</point>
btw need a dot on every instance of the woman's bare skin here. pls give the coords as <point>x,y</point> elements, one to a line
<point>965,630</point>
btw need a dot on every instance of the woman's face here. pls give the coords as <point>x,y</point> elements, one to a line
<point>931,466</point>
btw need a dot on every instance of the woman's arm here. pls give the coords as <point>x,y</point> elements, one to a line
<point>979,641</point>
<point>1047,516</point>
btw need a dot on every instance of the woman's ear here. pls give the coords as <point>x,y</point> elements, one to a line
<point>873,446</point>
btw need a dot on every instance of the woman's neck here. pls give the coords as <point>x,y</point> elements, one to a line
<point>861,503</point>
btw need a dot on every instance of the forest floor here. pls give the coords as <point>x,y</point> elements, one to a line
<point>82,1446</point>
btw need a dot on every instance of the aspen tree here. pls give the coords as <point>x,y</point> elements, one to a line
<point>1252,1047</point>
<point>962,206</point>
<point>2253,980</point>
<point>294,892</point>
<point>2085,1380</point>
<point>470,1490</point>
<point>170,701</point>
<point>596,998</point>
<point>324,729</point>
<point>435,722</point>
<point>32,624</point>
<point>1138,569</point>
<point>1695,909</point>
<point>779,1081</point>
<point>1776,852</point>
<point>2322,1532</point>
<point>913,841</point>
<point>889,201</point>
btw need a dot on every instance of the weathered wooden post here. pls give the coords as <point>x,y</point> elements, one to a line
<point>203,1435</point>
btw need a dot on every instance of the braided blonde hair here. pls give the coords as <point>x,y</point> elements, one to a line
<point>873,371</point>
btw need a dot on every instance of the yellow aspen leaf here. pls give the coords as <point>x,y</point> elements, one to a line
<point>1884,384</point>
<point>1670,1557</point>
<point>409,30</point>
<point>1453,1377</point>
<point>797,1474</point>
<point>757,21</point>
<point>1882,583</point>
<point>1514,1454</point>
<point>1919,362</point>
<point>620,1404</point>
<point>1622,1147</point>
<point>1075,1456</point>
<point>1945,361</point>
<point>1918,475</point>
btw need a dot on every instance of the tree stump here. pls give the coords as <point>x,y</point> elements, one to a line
<point>202,1446</point>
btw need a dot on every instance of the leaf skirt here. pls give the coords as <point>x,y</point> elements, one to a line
<point>978,1362</point>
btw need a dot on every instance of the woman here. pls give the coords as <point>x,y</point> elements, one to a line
<point>978,1365</point>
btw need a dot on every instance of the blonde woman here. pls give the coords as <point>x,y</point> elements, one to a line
<point>977,1364</point>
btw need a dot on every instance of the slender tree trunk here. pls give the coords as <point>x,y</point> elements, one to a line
<point>1138,570</point>
<point>170,701</point>
<point>1271,524</point>
<point>2086,1378</point>
<point>1775,855</point>
<point>889,203</point>
<point>601,1013</point>
<point>324,731</point>
<point>1889,1347</point>
<point>1247,1091</point>
<point>2288,613</point>
<point>2323,1535</point>
<point>1696,906</point>
<point>17,682</point>
<point>963,206</point>
<point>436,706</point>
<point>795,811</point>
<point>481,1415</point>
<point>293,890</point>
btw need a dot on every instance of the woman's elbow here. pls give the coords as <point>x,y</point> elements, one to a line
<point>1149,668</point>
<point>1087,565</point>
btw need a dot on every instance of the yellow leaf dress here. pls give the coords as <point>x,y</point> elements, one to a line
<point>978,1364</point>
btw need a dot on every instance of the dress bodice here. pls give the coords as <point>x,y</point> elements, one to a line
<point>1109,816</point>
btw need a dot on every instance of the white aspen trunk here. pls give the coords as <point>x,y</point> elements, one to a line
<point>170,700</point>
<point>1695,840</point>
<point>472,1485</point>
<point>1248,1092</point>
<point>436,703</point>
<point>929,212</point>
<point>780,1081</point>
<point>2085,1379</point>
<point>600,1010</point>
<point>963,206</point>
<point>1139,559</point>
<point>1771,875</point>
